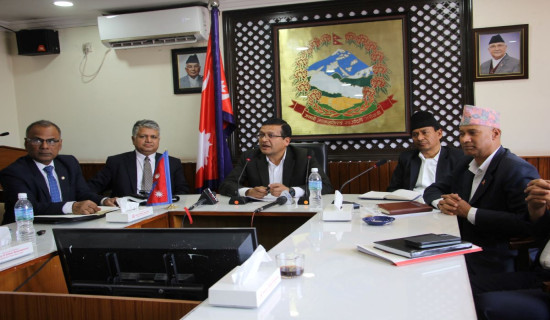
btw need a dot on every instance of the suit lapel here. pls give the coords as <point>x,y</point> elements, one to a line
<point>63,178</point>
<point>488,177</point>
<point>131,170</point>
<point>263,169</point>
<point>288,166</point>
<point>38,177</point>
<point>415,170</point>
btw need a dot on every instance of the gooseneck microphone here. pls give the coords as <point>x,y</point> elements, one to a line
<point>376,165</point>
<point>279,201</point>
<point>4,134</point>
<point>305,198</point>
<point>237,198</point>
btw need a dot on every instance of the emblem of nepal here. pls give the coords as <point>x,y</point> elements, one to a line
<point>342,90</point>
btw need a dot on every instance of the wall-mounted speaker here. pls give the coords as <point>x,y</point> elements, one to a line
<point>37,42</point>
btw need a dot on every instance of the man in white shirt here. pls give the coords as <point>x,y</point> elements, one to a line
<point>53,183</point>
<point>274,167</point>
<point>486,193</point>
<point>429,161</point>
<point>131,173</point>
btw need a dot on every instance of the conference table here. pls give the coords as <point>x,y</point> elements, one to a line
<point>339,281</point>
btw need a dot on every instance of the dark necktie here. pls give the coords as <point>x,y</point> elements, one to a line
<point>54,190</point>
<point>147,179</point>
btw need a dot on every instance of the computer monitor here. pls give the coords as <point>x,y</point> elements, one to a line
<point>156,263</point>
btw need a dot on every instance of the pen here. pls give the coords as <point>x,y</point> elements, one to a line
<point>267,189</point>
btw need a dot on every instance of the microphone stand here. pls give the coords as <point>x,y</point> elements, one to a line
<point>376,165</point>
<point>305,198</point>
<point>238,199</point>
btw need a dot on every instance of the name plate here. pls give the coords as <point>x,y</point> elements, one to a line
<point>129,216</point>
<point>15,250</point>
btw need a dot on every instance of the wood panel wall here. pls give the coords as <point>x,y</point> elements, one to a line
<point>341,171</point>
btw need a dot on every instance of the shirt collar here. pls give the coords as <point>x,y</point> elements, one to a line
<point>475,169</point>
<point>496,62</point>
<point>41,166</point>
<point>282,160</point>
<point>436,157</point>
<point>141,156</point>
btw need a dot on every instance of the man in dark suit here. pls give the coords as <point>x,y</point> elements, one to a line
<point>53,183</point>
<point>486,193</point>
<point>130,173</point>
<point>273,168</point>
<point>429,161</point>
<point>521,295</point>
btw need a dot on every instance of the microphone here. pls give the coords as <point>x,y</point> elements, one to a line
<point>4,134</point>
<point>280,200</point>
<point>305,198</point>
<point>238,199</point>
<point>207,197</point>
<point>376,165</point>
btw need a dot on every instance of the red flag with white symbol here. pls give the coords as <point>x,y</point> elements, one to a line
<point>162,188</point>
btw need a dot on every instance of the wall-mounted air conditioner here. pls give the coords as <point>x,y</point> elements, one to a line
<point>155,28</point>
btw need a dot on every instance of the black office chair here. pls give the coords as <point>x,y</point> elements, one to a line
<point>319,152</point>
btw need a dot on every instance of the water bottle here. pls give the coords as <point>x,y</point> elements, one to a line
<point>315,186</point>
<point>24,217</point>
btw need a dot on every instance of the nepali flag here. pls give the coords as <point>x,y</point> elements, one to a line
<point>216,118</point>
<point>162,188</point>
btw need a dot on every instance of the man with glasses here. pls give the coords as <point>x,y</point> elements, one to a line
<point>54,183</point>
<point>131,173</point>
<point>274,167</point>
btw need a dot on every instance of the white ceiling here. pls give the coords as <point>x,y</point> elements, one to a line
<point>22,14</point>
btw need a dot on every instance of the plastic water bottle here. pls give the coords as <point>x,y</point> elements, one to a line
<point>315,186</point>
<point>24,216</point>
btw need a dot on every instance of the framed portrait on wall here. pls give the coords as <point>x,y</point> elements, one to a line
<point>501,53</point>
<point>343,80</point>
<point>188,69</point>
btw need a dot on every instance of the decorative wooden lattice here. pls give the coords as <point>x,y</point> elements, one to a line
<point>437,62</point>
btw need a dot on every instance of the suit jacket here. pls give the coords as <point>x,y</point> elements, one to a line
<point>507,65</point>
<point>23,176</point>
<point>501,208</point>
<point>185,82</point>
<point>406,173</point>
<point>257,172</point>
<point>120,176</point>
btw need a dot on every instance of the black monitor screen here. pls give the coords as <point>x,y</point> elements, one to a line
<point>160,263</point>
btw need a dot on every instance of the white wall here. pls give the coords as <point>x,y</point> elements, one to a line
<point>524,104</point>
<point>96,117</point>
<point>8,106</point>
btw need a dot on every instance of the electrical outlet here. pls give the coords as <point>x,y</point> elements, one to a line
<point>87,47</point>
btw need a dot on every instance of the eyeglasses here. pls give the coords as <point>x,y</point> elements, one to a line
<point>268,135</point>
<point>39,142</point>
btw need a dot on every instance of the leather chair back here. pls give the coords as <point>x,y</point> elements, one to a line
<point>319,152</point>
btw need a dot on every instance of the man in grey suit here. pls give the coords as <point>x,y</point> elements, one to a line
<point>193,79</point>
<point>500,62</point>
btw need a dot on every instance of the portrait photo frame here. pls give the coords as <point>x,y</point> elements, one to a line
<point>345,79</point>
<point>489,44</point>
<point>180,57</point>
